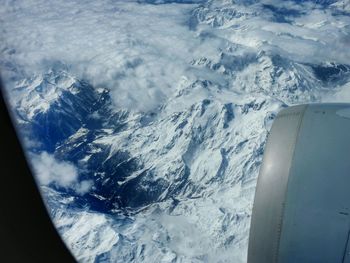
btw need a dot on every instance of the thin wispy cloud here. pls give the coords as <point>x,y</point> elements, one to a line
<point>48,170</point>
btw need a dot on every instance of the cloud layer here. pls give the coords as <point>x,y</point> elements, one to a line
<point>142,51</point>
<point>49,170</point>
<point>122,45</point>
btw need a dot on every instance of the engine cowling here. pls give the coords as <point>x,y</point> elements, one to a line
<point>301,210</point>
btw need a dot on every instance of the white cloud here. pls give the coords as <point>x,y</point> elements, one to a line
<point>342,94</point>
<point>122,45</point>
<point>83,186</point>
<point>142,51</point>
<point>49,170</point>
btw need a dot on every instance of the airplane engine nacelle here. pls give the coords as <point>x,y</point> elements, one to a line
<point>301,211</point>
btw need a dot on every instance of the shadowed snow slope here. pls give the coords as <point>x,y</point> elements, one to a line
<point>158,112</point>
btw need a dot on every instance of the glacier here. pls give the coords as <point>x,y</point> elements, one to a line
<point>145,121</point>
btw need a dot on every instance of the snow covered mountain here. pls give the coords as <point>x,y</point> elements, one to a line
<point>146,120</point>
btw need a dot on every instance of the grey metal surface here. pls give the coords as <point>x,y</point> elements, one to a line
<point>271,187</point>
<point>302,204</point>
